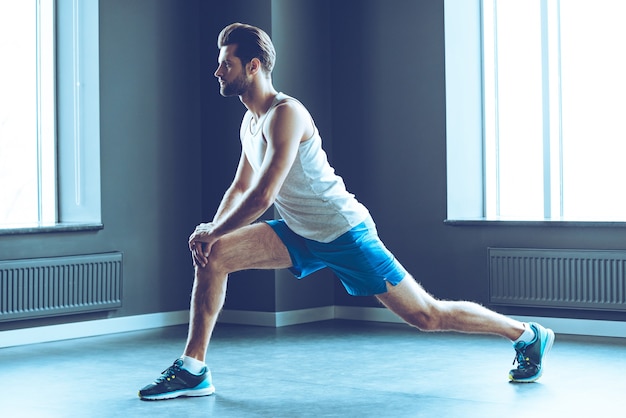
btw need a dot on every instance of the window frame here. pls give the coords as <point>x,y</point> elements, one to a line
<point>465,124</point>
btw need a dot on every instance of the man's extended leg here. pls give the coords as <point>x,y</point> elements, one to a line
<point>253,247</point>
<point>411,302</point>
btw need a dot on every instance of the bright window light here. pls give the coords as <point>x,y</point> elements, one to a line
<point>554,108</point>
<point>27,114</point>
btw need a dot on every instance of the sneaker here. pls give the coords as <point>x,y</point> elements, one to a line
<point>176,381</point>
<point>530,357</point>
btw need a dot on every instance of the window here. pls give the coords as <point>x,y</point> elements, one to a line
<point>554,88</point>
<point>27,140</point>
<point>49,113</point>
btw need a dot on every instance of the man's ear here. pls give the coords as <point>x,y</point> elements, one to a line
<point>254,66</point>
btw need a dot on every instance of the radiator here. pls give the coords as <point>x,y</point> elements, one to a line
<point>578,279</point>
<point>41,287</point>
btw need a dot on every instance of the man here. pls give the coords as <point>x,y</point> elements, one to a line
<point>282,163</point>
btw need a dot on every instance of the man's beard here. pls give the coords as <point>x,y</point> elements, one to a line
<point>235,88</point>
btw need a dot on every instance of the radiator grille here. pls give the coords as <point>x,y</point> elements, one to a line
<point>61,285</point>
<point>577,279</point>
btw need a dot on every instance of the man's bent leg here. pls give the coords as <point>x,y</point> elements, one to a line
<point>253,247</point>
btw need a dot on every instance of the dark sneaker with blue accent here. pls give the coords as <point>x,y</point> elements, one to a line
<point>176,381</point>
<point>530,357</point>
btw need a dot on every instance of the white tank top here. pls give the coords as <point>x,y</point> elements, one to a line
<point>313,200</point>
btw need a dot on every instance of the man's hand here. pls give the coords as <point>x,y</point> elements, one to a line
<point>201,242</point>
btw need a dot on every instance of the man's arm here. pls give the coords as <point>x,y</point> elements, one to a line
<point>284,131</point>
<point>240,184</point>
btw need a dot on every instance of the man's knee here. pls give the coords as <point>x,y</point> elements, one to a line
<point>216,264</point>
<point>427,319</point>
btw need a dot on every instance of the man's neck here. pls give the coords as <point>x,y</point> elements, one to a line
<point>259,98</point>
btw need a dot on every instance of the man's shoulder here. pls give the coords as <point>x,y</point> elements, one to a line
<point>288,113</point>
<point>287,106</point>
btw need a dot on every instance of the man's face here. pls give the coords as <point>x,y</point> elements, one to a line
<point>230,73</point>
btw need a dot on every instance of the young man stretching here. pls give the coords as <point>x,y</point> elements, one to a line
<point>322,225</point>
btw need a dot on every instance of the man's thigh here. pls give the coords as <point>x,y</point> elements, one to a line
<point>406,297</point>
<point>254,246</point>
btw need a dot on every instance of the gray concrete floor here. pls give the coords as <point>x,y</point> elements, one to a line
<point>326,369</point>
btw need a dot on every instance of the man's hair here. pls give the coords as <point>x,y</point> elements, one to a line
<point>251,42</point>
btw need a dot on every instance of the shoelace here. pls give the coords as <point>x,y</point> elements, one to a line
<point>168,374</point>
<point>521,359</point>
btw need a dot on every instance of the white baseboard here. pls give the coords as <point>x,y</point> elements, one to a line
<point>356,313</point>
<point>302,316</point>
<point>586,327</point>
<point>91,328</point>
<point>271,319</point>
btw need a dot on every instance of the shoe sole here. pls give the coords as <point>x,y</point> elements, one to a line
<point>180,394</point>
<point>546,349</point>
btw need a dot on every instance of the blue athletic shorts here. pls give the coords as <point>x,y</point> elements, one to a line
<point>358,258</point>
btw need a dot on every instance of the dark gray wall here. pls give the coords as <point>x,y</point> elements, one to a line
<point>150,128</point>
<point>389,125</point>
